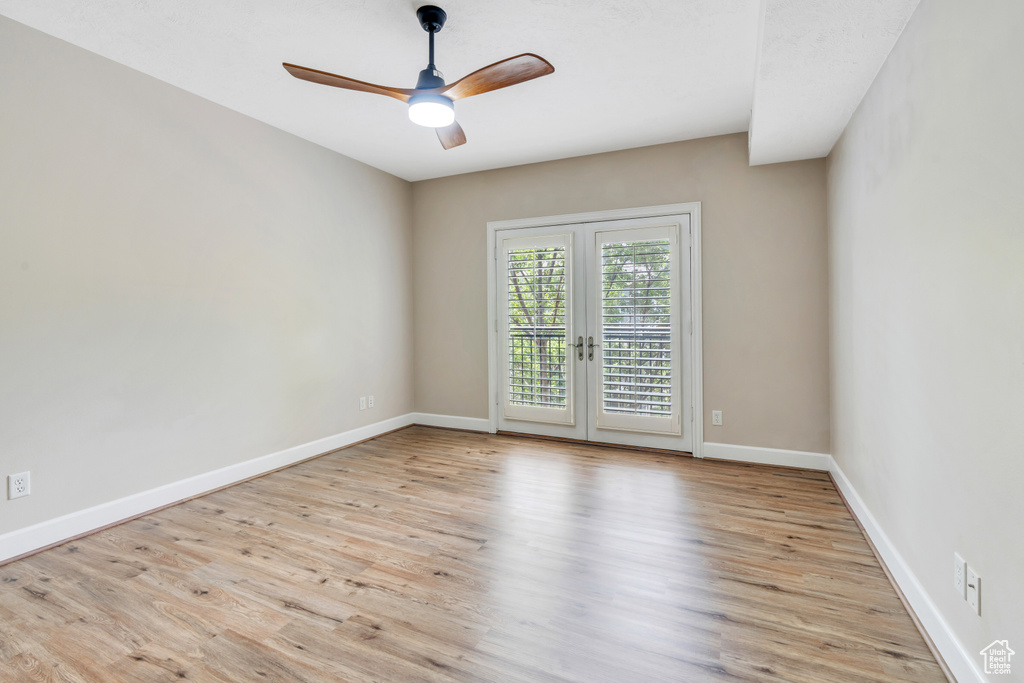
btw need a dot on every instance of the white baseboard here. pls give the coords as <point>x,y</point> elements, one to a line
<point>963,666</point>
<point>767,456</point>
<point>50,532</point>
<point>473,424</point>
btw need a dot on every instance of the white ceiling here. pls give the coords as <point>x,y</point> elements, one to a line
<point>815,62</point>
<point>627,74</point>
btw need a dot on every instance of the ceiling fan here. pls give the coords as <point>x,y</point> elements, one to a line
<point>432,102</point>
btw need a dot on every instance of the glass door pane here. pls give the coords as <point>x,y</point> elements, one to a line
<point>636,330</point>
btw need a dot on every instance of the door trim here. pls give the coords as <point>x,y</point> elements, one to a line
<point>696,387</point>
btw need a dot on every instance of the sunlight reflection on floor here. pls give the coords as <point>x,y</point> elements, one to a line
<point>578,544</point>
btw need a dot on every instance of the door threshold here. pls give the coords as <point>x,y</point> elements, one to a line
<point>602,444</point>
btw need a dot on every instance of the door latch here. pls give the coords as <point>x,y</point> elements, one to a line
<point>579,347</point>
<point>590,348</point>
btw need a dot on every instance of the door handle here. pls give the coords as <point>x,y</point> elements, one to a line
<point>579,347</point>
<point>590,348</point>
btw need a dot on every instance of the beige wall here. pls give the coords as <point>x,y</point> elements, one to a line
<point>765,277</point>
<point>926,214</point>
<point>181,287</point>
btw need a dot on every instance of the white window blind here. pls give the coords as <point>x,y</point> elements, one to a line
<point>536,325</point>
<point>636,328</point>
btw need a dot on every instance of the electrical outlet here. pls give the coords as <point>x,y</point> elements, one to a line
<point>370,402</point>
<point>18,485</point>
<point>974,591</point>
<point>716,418</point>
<point>362,403</point>
<point>960,575</point>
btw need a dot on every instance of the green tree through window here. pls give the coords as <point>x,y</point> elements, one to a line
<point>536,327</point>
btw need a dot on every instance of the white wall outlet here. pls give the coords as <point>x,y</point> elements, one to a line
<point>370,402</point>
<point>974,591</point>
<point>716,418</point>
<point>960,576</point>
<point>362,403</point>
<point>19,485</point>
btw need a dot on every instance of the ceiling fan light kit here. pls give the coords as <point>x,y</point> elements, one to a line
<point>432,111</point>
<point>432,102</point>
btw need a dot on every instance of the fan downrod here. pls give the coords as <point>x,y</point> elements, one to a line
<point>431,18</point>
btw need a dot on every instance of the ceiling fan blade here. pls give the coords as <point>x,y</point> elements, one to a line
<point>324,78</point>
<point>499,75</point>
<point>451,136</point>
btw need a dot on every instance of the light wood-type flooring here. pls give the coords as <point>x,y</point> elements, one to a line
<point>434,555</point>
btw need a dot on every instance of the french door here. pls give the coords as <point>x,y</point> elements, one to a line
<point>593,331</point>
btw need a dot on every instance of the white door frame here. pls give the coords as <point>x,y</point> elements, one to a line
<point>696,387</point>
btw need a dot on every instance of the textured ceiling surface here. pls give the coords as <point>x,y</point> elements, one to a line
<point>627,74</point>
<point>816,60</point>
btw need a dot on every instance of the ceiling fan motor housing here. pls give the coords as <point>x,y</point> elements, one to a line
<point>430,78</point>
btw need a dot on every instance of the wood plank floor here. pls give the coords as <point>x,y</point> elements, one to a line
<point>434,555</point>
